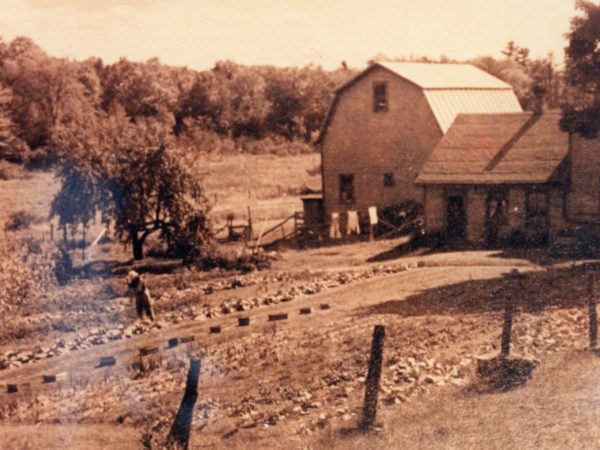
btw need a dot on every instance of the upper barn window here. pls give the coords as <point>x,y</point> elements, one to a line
<point>380,96</point>
<point>346,188</point>
<point>389,180</point>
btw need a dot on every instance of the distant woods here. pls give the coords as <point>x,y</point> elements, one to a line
<point>231,107</point>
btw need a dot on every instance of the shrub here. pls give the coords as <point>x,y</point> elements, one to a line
<point>246,263</point>
<point>10,171</point>
<point>27,272</point>
<point>63,265</point>
<point>20,220</point>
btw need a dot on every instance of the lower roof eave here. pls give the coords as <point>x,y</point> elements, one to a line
<point>480,182</point>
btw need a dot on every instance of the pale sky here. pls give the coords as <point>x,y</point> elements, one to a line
<point>197,33</point>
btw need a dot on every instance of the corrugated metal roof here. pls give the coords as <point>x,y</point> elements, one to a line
<point>445,76</point>
<point>498,149</point>
<point>446,104</point>
<point>450,89</point>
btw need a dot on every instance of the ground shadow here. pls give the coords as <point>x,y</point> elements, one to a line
<point>401,251</point>
<point>421,247</point>
<point>182,425</point>
<point>563,288</point>
<point>502,375</point>
<point>542,256</point>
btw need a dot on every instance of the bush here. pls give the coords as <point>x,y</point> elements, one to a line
<point>10,171</point>
<point>63,265</point>
<point>20,220</point>
<point>247,263</point>
<point>27,271</point>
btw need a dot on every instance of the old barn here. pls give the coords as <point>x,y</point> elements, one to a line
<point>510,176</point>
<point>385,122</point>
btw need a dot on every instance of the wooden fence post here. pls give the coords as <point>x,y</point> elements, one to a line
<point>507,327</point>
<point>250,231</point>
<point>373,378</point>
<point>180,431</point>
<point>593,322</point>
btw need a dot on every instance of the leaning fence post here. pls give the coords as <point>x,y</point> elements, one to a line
<point>506,328</point>
<point>180,431</point>
<point>592,313</point>
<point>373,378</point>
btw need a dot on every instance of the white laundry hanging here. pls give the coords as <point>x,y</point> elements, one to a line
<point>353,226</point>
<point>334,227</point>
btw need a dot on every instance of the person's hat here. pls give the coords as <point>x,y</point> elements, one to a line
<point>132,275</point>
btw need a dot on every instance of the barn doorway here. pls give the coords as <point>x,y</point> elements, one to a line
<point>495,215</point>
<point>456,219</point>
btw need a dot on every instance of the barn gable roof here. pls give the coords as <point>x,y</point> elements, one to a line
<point>498,149</point>
<point>450,89</point>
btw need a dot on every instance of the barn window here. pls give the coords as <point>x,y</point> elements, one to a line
<point>380,97</point>
<point>389,180</point>
<point>347,188</point>
<point>536,209</point>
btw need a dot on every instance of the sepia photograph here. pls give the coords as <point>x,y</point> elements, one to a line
<point>299,224</point>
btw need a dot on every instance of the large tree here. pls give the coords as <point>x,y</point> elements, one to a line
<point>132,175</point>
<point>582,59</point>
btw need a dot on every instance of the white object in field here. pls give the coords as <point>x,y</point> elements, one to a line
<point>102,233</point>
<point>353,226</point>
<point>373,219</point>
<point>334,227</point>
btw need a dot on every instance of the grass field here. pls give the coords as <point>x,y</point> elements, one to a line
<point>268,184</point>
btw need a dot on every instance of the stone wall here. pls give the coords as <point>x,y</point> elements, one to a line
<point>435,210</point>
<point>584,198</point>
<point>475,204</point>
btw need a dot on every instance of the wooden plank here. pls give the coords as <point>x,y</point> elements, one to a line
<point>274,317</point>
<point>48,379</point>
<point>148,350</point>
<point>144,351</point>
<point>106,361</point>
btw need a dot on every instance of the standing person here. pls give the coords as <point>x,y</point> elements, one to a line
<point>143,301</point>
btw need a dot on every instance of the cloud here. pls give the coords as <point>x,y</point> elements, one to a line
<point>89,4</point>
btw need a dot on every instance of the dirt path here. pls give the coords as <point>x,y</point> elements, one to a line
<point>344,302</point>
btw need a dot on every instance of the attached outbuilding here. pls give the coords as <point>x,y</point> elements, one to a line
<point>500,177</point>
<point>385,123</point>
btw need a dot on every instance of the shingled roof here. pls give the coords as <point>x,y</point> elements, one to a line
<point>519,148</point>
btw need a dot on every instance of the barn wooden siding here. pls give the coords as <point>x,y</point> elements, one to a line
<point>369,144</point>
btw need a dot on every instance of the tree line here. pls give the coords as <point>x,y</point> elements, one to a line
<point>40,95</point>
<point>231,103</point>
